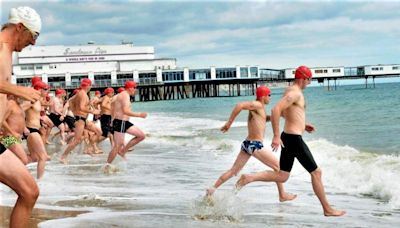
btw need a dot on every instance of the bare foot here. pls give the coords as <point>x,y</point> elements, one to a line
<point>210,191</point>
<point>334,212</point>
<point>287,197</point>
<point>243,180</point>
<point>63,161</point>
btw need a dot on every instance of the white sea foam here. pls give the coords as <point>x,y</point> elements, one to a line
<point>355,172</point>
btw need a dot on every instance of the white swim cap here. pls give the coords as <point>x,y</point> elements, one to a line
<point>27,16</point>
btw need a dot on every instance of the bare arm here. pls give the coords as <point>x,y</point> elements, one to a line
<point>247,105</point>
<point>24,92</point>
<point>127,111</point>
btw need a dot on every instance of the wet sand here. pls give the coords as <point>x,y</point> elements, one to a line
<point>38,215</point>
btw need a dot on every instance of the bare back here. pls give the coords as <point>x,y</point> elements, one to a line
<point>256,122</point>
<point>294,114</point>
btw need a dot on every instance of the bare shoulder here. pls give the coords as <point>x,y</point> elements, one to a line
<point>292,94</point>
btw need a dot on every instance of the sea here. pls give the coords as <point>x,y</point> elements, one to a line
<point>163,181</point>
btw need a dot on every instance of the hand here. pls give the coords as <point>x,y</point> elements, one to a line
<point>61,117</point>
<point>310,128</point>
<point>143,114</point>
<point>29,94</point>
<point>276,143</point>
<point>226,127</point>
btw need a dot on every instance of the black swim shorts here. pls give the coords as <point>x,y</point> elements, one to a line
<point>121,125</point>
<point>295,147</point>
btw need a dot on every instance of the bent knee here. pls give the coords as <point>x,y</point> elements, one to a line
<point>317,172</point>
<point>30,192</point>
<point>283,176</point>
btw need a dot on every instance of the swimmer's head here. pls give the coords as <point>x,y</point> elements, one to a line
<point>41,86</point>
<point>263,91</point>
<point>28,17</point>
<point>303,72</point>
<point>109,91</point>
<point>121,89</point>
<point>35,79</point>
<point>59,92</point>
<point>86,83</point>
<point>97,93</point>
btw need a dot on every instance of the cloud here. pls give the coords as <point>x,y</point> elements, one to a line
<point>197,32</point>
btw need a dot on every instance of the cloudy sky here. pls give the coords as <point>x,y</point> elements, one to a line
<point>273,34</point>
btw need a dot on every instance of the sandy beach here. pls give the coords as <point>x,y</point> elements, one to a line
<point>38,215</point>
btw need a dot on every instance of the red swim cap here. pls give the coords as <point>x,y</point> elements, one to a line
<point>262,91</point>
<point>130,84</point>
<point>35,79</point>
<point>120,89</point>
<point>40,85</point>
<point>97,93</point>
<point>86,82</point>
<point>59,91</point>
<point>109,90</point>
<point>302,72</point>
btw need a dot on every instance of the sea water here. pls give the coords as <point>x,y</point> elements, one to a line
<point>162,183</point>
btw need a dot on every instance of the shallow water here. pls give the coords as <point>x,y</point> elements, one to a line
<point>163,182</point>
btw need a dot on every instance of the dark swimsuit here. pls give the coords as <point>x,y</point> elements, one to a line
<point>295,148</point>
<point>33,130</point>
<point>121,125</point>
<point>77,118</point>
<point>55,118</point>
<point>105,121</point>
<point>70,121</point>
<point>2,148</point>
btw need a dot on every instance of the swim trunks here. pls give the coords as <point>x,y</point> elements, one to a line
<point>105,121</point>
<point>77,118</point>
<point>121,125</point>
<point>33,130</point>
<point>55,118</point>
<point>250,146</point>
<point>2,148</point>
<point>10,140</point>
<point>70,121</point>
<point>295,147</point>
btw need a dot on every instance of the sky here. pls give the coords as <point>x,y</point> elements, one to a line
<point>270,34</point>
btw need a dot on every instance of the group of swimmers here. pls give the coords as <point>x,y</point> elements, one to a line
<point>31,114</point>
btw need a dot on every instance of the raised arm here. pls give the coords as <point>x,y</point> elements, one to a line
<point>24,92</point>
<point>246,105</point>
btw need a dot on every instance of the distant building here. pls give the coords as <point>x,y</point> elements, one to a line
<point>65,66</point>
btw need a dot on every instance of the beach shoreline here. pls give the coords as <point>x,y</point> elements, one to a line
<point>38,215</point>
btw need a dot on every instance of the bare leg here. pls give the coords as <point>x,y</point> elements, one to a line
<point>241,160</point>
<point>79,126</point>
<point>139,136</point>
<point>118,146</point>
<point>18,150</point>
<point>318,187</point>
<point>36,146</point>
<point>267,157</point>
<point>15,175</point>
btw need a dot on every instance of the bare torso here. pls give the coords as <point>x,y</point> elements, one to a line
<point>5,75</point>
<point>75,102</point>
<point>16,119</point>
<point>118,107</point>
<point>56,106</point>
<point>106,105</point>
<point>256,123</point>
<point>33,115</point>
<point>295,118</point>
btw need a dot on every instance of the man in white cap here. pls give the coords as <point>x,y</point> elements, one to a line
<point>21,30</point>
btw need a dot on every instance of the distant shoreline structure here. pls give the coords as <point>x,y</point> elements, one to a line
<point>111,65</point>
